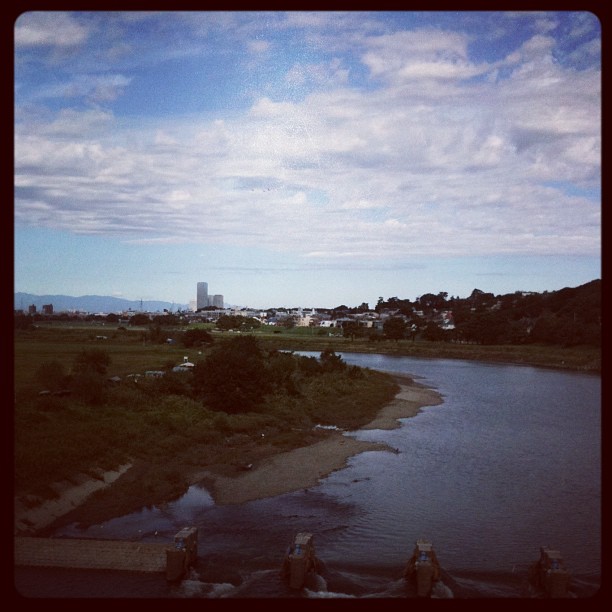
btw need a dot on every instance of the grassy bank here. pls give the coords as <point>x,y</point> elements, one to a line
<point>168,437</point>
<point>587,359</point>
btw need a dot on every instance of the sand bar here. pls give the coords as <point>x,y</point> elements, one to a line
<point>304,467</point>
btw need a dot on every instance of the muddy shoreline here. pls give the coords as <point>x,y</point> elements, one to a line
<point>264,473</point>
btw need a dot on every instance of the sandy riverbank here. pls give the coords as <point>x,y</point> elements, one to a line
<point>289,471</point>
<point>304,467</point>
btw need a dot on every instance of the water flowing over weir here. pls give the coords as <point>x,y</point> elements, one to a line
<point>509,462</point>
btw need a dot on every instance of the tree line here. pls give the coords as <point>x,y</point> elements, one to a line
<point>568,317</point>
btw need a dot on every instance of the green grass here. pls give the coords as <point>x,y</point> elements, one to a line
<point>57,438</point>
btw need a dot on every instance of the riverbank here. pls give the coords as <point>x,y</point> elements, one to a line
<point>575,358</point>
<point>302,468</point>
<point>273,475</point>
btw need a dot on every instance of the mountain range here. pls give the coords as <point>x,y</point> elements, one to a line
<point>92,303</point>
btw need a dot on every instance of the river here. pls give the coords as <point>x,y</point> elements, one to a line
<point>509,462</point>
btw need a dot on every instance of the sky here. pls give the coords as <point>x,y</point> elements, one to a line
<point>310,159</point>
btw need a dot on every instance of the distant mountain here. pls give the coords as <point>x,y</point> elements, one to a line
<point>92,303</point>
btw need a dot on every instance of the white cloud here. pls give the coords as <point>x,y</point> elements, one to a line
<point>446,167</point>
<point>258,46</point>
<point>49,29</point>
<point>420,54</point>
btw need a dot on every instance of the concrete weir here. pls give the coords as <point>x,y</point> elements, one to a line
<point>173,558</point>
<point>90,554</point>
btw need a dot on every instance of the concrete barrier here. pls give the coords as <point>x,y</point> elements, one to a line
<point>90,554</point>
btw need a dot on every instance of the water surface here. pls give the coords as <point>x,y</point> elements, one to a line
<point>510,461</point>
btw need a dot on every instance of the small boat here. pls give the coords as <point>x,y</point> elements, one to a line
<point>300,561</point>
<point>549,573</point>
<point>423,569</point>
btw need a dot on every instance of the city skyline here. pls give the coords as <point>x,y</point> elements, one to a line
<point>306,157</point>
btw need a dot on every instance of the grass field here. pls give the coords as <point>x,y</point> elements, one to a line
<point>130,353</point>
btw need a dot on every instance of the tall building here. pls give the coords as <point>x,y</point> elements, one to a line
<point>217,301</point>
<point>202,296</point>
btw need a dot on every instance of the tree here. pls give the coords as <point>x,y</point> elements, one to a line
<point>282,368</point>
<point>394,328</point>
<point>140,319</point>
<point>433,332</point>
<point>233,377</point>
<point>227,322</point>
<point>196,337</point>
<point>352,330</point>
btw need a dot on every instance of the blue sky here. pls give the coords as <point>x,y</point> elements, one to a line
<point>306,158</point>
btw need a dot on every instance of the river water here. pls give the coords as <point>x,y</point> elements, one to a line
<point>509,462</point>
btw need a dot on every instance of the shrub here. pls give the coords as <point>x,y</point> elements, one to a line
<point>233,377</point>
<point>93,360</point>
<point>90,387</point>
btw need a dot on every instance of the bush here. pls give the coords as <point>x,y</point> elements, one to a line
<point>233,378</point>
<point>93,360</point>
<point>196,337</point>
<point>90,387</point>
<point>331,362</point>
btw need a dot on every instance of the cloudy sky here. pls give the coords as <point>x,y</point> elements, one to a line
<point>306,158</point>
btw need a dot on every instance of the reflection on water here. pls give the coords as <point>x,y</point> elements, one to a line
<point>509,462</point>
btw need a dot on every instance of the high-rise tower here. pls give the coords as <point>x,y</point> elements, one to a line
<point>202,296</point>
<point>216,301</point>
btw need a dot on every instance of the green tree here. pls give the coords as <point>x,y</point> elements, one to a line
<point>433,332</point>
<point>196,337</point>
<point>233,377</point>
<point>394,328</point>
<point>140,319</point>
<point>352,330</point>
<point>227,322</point>
<point>282,369</point>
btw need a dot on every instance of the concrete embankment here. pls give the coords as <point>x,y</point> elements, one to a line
<point>90,554</point>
